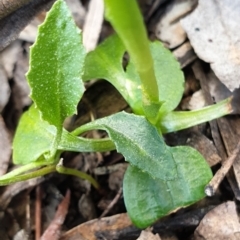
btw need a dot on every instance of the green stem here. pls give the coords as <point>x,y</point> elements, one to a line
<point>69,171</point>
<point>70,142</point>
<point>23,169</point>
<point>175,121</point>
<point>127,21</point>
<point>19,178</point>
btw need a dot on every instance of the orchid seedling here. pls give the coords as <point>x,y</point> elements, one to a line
<point>159,178</point>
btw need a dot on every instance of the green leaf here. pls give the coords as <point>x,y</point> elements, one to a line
<point>169,76</point>
<point>106,62</point>
<point>139,142</point>
<point>33,138</point>
<point>149,199</point>
<point>56,66</point>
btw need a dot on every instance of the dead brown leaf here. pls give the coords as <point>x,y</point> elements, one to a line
<point>213,30</point>
<point>221,223</point>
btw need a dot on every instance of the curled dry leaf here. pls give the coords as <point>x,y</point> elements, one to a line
<point>220,223</point>
<point>213,30</point>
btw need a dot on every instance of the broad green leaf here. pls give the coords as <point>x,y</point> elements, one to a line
<point>56,66</point>
<point>148,199</point>
<point>33,138</point>
<point>106,62</point>
<point>139,142</point>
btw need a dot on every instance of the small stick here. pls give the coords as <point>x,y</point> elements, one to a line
<point>113,202</point>
<point>211,188</point>
<point>38,212</point>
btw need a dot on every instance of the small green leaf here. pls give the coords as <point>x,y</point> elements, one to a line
<point>56,66</point>
<point>149,199</point>
<point>139,142</point>
<point>33,138</point>
<point>105,62</point>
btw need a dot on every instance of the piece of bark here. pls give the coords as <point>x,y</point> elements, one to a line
<point>8,6</point>
<point>5,147</point>
<point>13,24</point>
<point>221,223</point>
<point>204,146</point>
<point>120,226</point>
<point>108,226</point>
<point>223,133</point>
<point>231,139</point>
<point>201,76</point>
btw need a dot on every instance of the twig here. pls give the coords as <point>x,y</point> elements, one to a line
<point>211,188</point>
<point>93,24</point>
<point>38,214</point>
<point>113,202</point>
